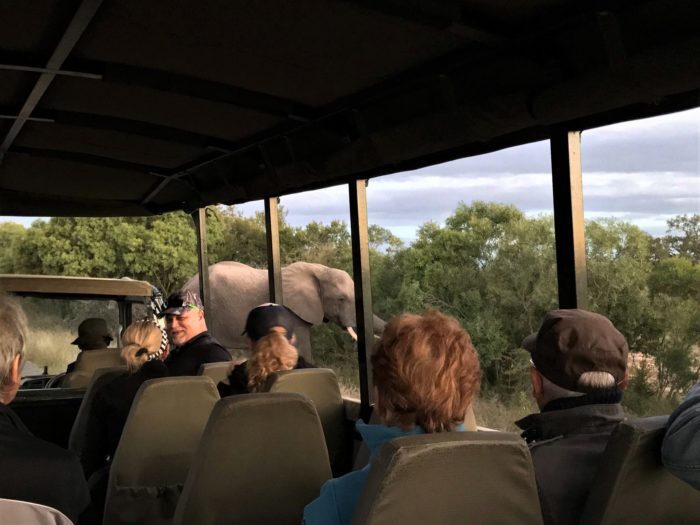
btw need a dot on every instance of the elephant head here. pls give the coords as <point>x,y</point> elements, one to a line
<point>317,294</point>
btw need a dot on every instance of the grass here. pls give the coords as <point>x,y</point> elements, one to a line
<point>50,348</point>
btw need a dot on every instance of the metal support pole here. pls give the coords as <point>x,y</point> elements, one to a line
<point>274,260</point>
<point>568,219</point>
<point>200,226</point>
<point>363,291</point>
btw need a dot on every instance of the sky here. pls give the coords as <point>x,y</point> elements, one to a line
<point>643,172</point>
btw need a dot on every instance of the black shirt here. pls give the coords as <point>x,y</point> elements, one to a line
<point>238,378</point>
<point>110,409</point>
<point>37,471</point>
<point>202,348</point>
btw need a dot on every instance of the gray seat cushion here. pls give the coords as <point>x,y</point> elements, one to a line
<point>154,454</point>
<point>262,458</point>
<point>632,486</point>
<point>320,385</point>
<point>452,477</point>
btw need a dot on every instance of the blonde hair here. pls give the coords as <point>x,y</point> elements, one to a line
<point>13,334</point>
<point>426,372</point>
<point>140,340</point>
<point>271,353</point>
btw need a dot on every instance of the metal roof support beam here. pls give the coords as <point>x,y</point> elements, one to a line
<point>200,226</point>
<point>568,219</point>
<point>59,72</point>
<point>82,18</point>
<point>363,291</point>
<point>274,260</point>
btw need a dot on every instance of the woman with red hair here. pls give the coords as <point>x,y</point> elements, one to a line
<point>426,374</point>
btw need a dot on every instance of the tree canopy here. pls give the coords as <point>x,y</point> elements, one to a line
<point>489,265</point>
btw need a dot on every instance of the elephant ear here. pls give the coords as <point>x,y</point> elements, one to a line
<point>302,291</point>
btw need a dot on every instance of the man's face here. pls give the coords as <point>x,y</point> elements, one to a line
<point>182,328</point>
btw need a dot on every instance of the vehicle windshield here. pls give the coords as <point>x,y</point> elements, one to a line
<point>53,326</point>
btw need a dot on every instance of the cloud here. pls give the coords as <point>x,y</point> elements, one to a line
<point>642,171</point>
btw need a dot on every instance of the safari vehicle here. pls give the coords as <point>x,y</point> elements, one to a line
<point>48,410</point>
<point>138,108</point>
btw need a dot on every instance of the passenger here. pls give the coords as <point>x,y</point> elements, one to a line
<point>578,374</point>
<point>426,374</point>
<point>681,447</point>
<point>93,334</point>
<point>144,348</point>
<point>191,344</point>
<point>270,328</point>
<point>32,469</point>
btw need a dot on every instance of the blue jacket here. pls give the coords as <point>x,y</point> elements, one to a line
<point>338,499</point>
<point>681,448</point>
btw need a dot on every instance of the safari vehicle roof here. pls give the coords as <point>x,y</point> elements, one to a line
<point>75,287</point>
<point>133,108</point>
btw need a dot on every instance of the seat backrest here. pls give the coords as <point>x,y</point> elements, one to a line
<point>451,477</point>
<point>632,486</point>
<point>14,511</point>
<point>164,426</point>
<point>216,371</point>
<point>87,362</point>
<point>261,459</point>
<point>362,456</point>
<point>101,377</point>
<point>320,385</point>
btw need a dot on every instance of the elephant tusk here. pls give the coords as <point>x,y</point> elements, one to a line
<point>352,332</point>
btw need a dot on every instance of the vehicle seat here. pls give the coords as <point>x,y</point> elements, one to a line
<point>216,371</point>
<point>154,454</point>
<point>632,486</point>
<point>261,459</point>
<point>18,512</point>
<point>451,477</point>
<point>320,385</point>
<point>101,377</point>
<point>87,362</point>
<point>362,456</point>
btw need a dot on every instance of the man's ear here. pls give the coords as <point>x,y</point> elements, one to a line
<point>537,383</point>
<point>9,386</point>
<point>625,381</point>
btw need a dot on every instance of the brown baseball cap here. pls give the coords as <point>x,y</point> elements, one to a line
<point>572,342</point>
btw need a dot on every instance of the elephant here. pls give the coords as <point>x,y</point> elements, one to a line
<point>314,292</point>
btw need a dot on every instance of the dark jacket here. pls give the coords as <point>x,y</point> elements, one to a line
<point>567,445</point>
<point>238,378</point>
<point>110,408</point>
<point>681,448</point>
<point>202,348</point>
<point>37,471</point>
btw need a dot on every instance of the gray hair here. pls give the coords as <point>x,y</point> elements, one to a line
<point>588,382</point>
<point>13,333</point>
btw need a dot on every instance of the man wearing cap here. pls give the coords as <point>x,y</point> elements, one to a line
<point>578,374</point>
<point>93,334</point>
<point>187,330</point>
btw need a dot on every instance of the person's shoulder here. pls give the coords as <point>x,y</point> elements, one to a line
<point>337,500</point>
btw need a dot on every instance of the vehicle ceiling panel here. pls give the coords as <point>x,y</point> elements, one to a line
<point>152,106</point>
<point>14,86</point>
<point>69,142</point>
<point>171,110</point>
<point>84,182</point>
<point>34,26</point>
<point>312,51</point>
